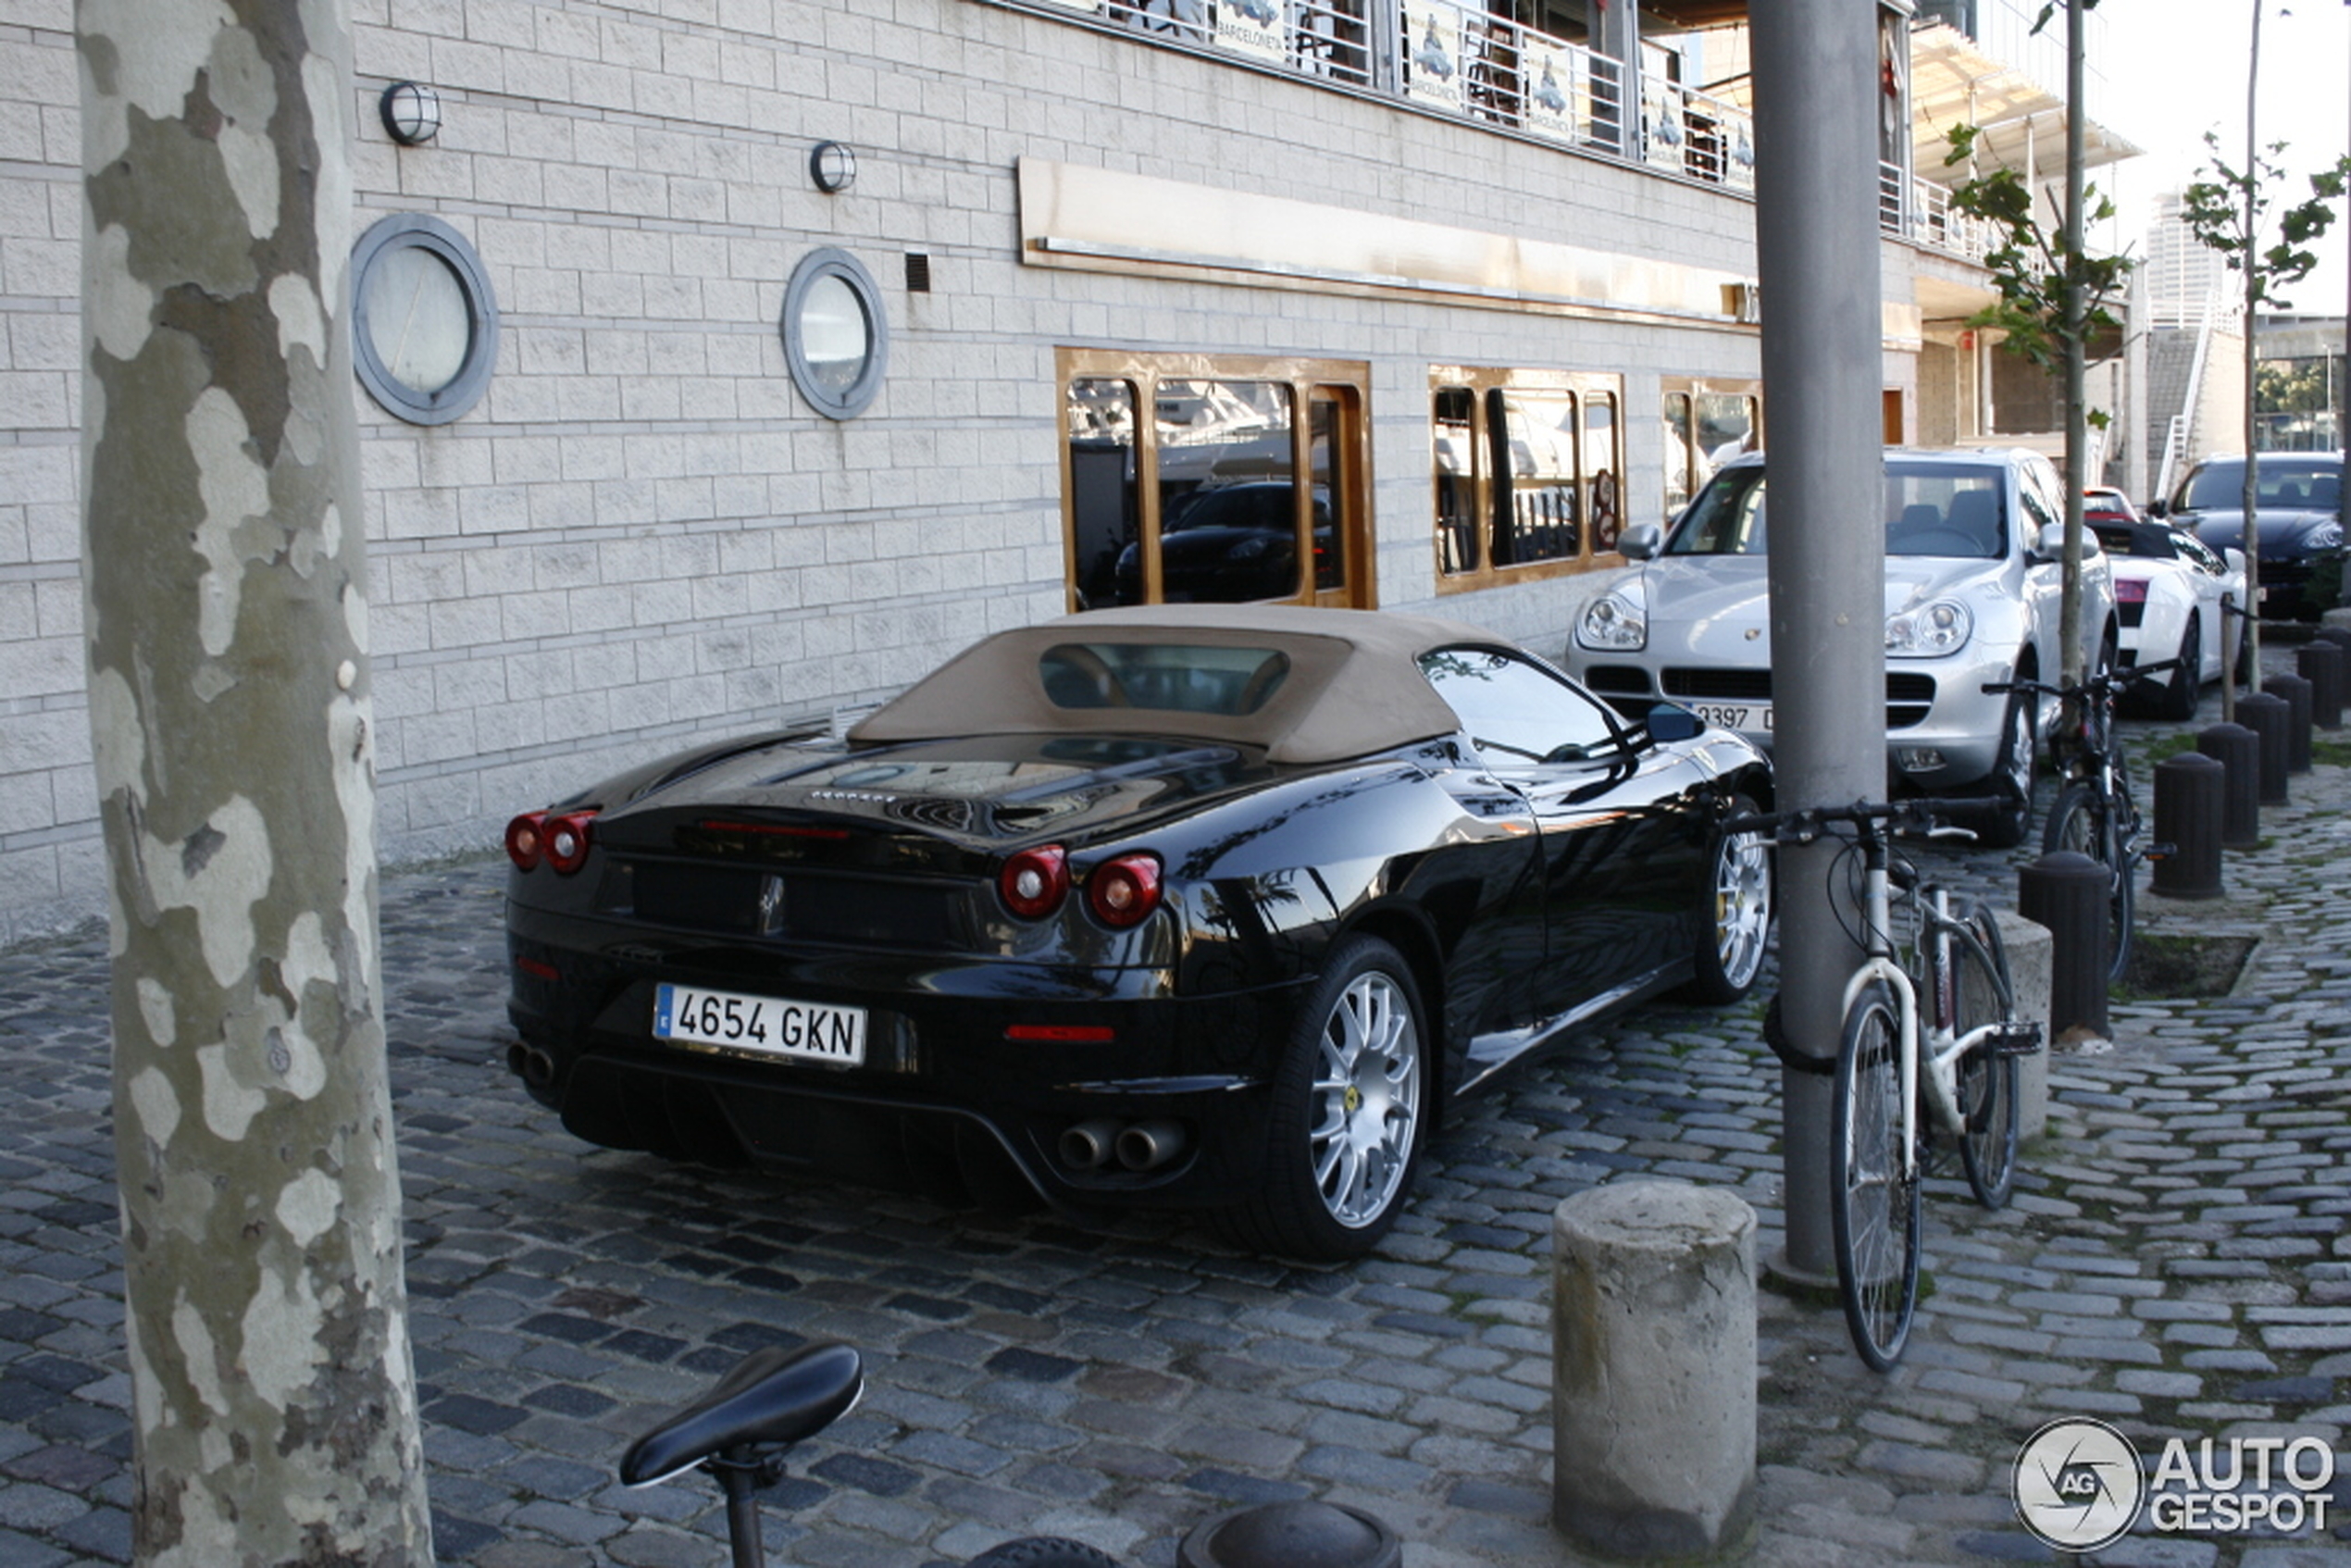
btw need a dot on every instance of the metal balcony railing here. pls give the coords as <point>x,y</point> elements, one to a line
<point>1460,59</point>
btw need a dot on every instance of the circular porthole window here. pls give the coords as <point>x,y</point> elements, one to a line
<point>424,322</point>
<point>836,338</point>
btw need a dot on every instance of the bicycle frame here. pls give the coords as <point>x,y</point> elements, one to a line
<point>1944,1047</point>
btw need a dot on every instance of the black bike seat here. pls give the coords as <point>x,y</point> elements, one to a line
<point>770,1399</point>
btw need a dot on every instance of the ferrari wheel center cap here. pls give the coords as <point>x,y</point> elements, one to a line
<point>1354,1100</point>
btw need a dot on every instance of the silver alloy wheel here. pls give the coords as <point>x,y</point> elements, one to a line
<point>1367,1099</point>
<point>1742,907</point>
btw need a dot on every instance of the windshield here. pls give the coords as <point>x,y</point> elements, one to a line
<point>1945,509</point>
<point>2314,482</point>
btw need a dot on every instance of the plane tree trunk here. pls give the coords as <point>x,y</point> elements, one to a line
<point>274,1406</point>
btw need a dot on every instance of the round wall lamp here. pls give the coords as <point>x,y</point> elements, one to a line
<point>411,113</point>
<point>833,166</point>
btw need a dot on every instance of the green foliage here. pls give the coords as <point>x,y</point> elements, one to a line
<point>2215,211</point>
<point>2031,268</point>
<point>2291,386</point>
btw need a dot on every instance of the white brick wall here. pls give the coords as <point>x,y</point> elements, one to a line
<point>641,536</point>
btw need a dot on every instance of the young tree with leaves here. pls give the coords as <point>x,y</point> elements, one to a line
<point>2055,297</point>
<point>2229,213</point>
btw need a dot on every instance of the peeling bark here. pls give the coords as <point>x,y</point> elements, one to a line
<point>274,1405</point>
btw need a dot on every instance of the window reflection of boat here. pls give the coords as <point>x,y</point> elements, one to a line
<point>1228,544</point>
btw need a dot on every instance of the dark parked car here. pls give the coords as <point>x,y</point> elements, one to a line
<point>1214,908</point>
<point>2297,512</point>
<point>1231,544</point>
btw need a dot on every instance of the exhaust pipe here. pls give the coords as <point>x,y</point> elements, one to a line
<point>1086,1146</point>
<point>530,1064</point>
<point>1146,1146</point>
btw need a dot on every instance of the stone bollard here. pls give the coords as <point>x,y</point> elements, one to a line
<point>2028,946</point>
<point>1653,1397</point>
<point>2266,715</point>
<point>2189,807</point>
<point>1299,1533</point>
<point>2320,664</point>
<point>2238,751</point>
<point>2295,691</point>
<point>2069,893</point>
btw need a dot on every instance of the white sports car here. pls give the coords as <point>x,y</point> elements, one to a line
<point>2169,591</point>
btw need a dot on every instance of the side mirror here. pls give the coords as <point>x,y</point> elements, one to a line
<point>2159,508</point>
<point>1641,542</point>
<point>1669,721</point>
<point>2050,546</point>
<point>2234,559</point>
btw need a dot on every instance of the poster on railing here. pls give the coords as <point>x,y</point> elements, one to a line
<point>1739,157</point>
<point>1558,89</point>
<point>1433,57</point>
<point>1252,27</point>
<point>1663,135</point>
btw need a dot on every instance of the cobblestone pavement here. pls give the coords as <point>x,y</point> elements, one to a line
<point>2176,1261</point>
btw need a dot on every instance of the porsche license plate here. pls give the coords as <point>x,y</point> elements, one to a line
<point>1732,715</point>
<point>809,1031</point>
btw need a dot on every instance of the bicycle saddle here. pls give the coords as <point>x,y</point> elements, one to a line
<point>771,1399</point>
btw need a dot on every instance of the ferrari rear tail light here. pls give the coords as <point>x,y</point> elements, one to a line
<point>1034,882</point>
<point>565,839</point>
<point>2130,590</point>
<point>1123,892</point>
<point>526,839</point>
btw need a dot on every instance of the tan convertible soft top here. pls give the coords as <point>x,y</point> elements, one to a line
<point>1354,685</point>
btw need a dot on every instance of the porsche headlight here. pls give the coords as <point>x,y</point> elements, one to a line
<point>1930,631</point>
<point>1617,622</point>
<point>2326,536</point>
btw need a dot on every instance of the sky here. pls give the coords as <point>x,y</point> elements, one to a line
<point>2176,67</point>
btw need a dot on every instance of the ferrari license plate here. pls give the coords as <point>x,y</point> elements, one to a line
<point>810,1031</point>
<point>1733,715</point>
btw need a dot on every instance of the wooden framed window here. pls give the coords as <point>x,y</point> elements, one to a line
<point>1214,480</point>
<point>1707,423</point>
<point>1528,472</point>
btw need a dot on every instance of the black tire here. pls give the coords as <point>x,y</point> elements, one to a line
<point>1734,920</point>
<point>1043,1552</point>
<point>2080,821</point>
<point>1874,1185</point>
<point>2178,700</point>
<point>1352,1103</point>
<point>1981,992</point>
<point>2010,783</point>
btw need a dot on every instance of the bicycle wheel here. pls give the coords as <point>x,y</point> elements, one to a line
<point>1982,993</point>
<point>2081,821</point>
<point>1043,1552</point>
<point>1873,1182</point>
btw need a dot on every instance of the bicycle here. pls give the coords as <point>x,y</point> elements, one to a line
<point>2094,813</point>
<point>1901,1075</point>
<point>774,1398</point>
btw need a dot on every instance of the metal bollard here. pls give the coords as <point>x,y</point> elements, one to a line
<point>2237,749</point>
<point>2266,715</point>
<point>1653,1397</point>
<point>2320,664</point>
<point>1292,1535</point>
<point>2296,694</point>
<point>2188,811</point>
<point>2066,893</point>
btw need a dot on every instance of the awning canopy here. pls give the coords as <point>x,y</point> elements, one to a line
<point>1953,82</point>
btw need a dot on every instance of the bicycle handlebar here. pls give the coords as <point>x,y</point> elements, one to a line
<point>2105,683</point>
<point>1803,826</point>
